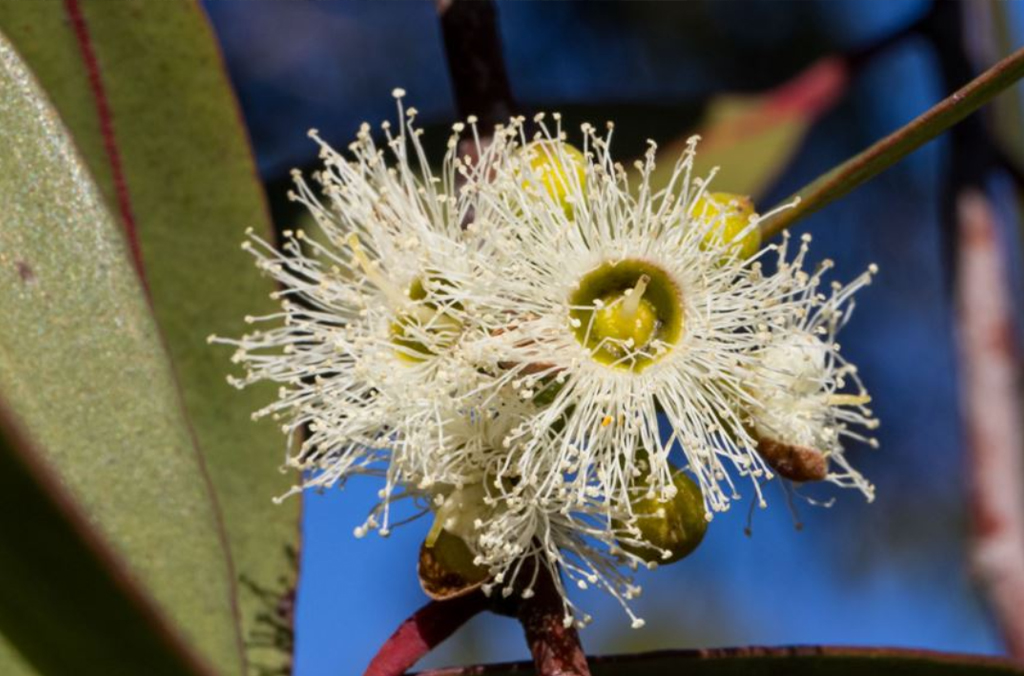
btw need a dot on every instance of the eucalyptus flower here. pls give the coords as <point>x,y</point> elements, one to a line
<point>640,315</point>
<point>560,366</point>
<point>809,397</point>
<point>364,346</point>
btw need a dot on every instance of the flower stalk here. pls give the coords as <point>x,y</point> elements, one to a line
<point>555,647</point>
<point>422,632</point>
<point>894,147</point>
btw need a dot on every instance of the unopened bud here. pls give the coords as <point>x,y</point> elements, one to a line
<point>672,528</point>
<point>729,216</point>
<point>561,169</point>
<point>446,568</point>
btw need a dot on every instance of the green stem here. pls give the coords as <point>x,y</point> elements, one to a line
<point>896,146</point>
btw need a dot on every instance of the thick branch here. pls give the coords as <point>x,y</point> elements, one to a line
<point>899,144</point>
<point>790,660</point>
<point>472,44</point>
<point>991,408</point>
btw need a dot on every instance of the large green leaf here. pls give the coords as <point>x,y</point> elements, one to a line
<point>189,188</point>
<point>81,365</point>
<point>805,661</point>
<point>751,138</point>
<point>84,619</point>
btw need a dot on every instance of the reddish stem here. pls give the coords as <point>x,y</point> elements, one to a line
<point>555,648</point>
<point>421,633</point>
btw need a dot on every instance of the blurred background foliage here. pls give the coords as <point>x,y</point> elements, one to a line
<point>892,573</point>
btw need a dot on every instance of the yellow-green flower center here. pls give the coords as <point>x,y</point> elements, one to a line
<point>623,321</point>
<point>628,314</point>
<point>442,328</point>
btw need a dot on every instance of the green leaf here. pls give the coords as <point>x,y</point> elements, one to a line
<point>84,619</point>
<point>802,661</point>
<point>190,186</point>
<point>751,138</point>
<point>82,367</point>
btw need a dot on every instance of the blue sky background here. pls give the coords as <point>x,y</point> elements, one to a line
<point>890,573</point>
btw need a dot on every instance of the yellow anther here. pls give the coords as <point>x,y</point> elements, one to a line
<point>848,399</point>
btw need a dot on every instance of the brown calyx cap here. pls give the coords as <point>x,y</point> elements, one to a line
<point>796,463</point>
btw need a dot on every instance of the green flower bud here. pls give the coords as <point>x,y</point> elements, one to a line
<point>559,167</point>
<point>446,568</point>
<point>731,215</point>
<point>673,528</point>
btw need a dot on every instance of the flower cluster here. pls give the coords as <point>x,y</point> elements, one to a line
<point>568,368</point>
